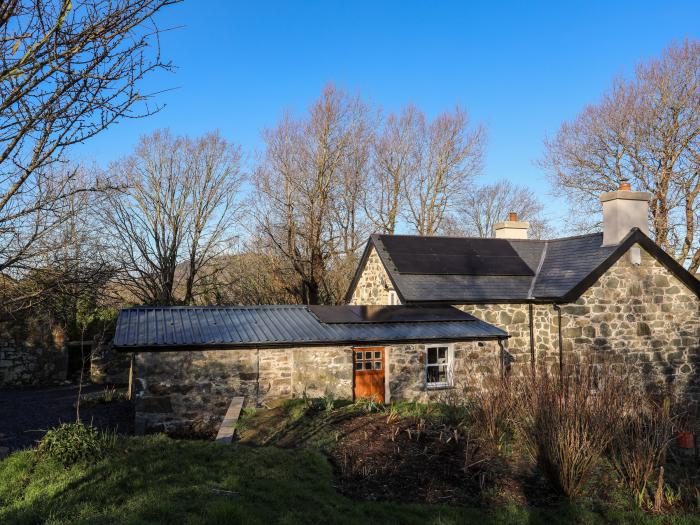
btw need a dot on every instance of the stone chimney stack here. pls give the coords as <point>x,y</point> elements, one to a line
<point>623,210</point>
<point>511,229</point>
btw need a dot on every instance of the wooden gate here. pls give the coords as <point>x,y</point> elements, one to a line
<point>369,373</point>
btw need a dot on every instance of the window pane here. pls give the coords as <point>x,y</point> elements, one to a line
<point>432,374</point>
<point>442,374</point>
<point>358,356</point>
<point>368,365</point>
<point>358,366</point>
<point>437,374</point>
<point>377,365</point>
<point>377,355</point>
<point>368,355</point>
<point>442,353</point>
<point>432,356</point>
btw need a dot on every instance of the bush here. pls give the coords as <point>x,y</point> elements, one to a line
<point>566,425</point>
<point>639,448</point>
<point>492,410</point>
<point>69,443</point>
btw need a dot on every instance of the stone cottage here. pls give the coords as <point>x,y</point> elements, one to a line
<point>613,298</point>
<point>190,361</point>
<point>428,314</point>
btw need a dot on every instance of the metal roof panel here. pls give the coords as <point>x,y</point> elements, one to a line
<point>275,325</point>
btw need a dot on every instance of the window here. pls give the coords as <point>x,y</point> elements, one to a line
<point>393,298</point>
<point>438,367</point>
<point>367,360</point>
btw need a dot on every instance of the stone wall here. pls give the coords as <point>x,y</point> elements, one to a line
<point>515,319</point>
<point>30,354</point>
<point>374,285</point>
<point>190,391</point>
<point>185,392</point>
<point>640,321</point>
<point>107,366</point>
<point>476,365</point>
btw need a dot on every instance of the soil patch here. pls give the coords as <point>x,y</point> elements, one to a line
<point>408,460</point>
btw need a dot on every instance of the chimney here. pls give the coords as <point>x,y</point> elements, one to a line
<point>511,229</point>
<point>623,210</point>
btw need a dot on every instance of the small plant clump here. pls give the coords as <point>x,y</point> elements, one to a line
<point>69,443</point>
<point>108,395</point>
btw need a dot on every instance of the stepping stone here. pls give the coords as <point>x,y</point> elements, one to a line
<point>228,425</point>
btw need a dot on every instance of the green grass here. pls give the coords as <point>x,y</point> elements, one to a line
<point>159,480</point>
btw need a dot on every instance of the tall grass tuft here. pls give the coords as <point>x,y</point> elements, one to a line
<point>69,443</point>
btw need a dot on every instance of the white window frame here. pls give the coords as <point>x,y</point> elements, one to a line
<point>393,298</point>
<point>450,367</point>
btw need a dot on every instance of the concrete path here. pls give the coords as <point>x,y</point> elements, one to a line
<point>228,425</point>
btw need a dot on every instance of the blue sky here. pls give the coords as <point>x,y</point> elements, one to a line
<point>521,68</point>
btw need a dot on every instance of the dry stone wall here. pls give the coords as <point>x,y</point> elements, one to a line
<point>30,355</point>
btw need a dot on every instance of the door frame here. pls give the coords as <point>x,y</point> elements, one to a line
<point>387,392</point>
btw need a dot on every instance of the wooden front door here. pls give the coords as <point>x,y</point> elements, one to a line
<point>369,373</point>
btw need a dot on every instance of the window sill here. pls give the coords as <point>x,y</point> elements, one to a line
<point>439,386</point>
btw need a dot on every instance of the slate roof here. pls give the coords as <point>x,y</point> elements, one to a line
<point>177,328</point>
<point>562,269</point>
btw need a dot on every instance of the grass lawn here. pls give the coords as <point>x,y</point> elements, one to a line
<point>158,480</point>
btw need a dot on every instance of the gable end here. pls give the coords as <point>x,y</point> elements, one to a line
<point>635,237</point>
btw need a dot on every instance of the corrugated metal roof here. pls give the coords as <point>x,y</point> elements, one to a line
<point>274,325</point>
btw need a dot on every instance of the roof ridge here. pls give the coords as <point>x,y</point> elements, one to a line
<point>469,238</point>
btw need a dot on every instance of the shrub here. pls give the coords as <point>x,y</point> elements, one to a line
<point>491,411</point>
<point>567,426</point>
<point>639,448</point>
<point>69,443</point>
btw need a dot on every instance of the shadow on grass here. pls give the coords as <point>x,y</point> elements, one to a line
<point>158,480</point>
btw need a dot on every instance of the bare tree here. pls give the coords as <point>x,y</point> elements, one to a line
<point>486,205</point>
<point>645,130</point>
<point>394,159</point>
<point>64,258</point>
<point>68,70</point>
<point>448,155</point>
<point>297,190</point>
<point>174,216</point>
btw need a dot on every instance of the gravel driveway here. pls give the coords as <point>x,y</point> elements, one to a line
<point>26,413</point>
